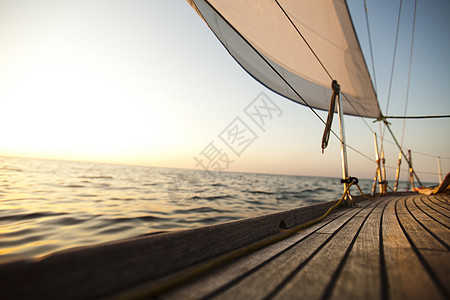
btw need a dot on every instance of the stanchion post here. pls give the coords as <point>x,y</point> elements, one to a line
<point>411,177</point>
<point>377,157</point>
<point>348,198</point>
<point>439,169</point>
<point>397,174</point>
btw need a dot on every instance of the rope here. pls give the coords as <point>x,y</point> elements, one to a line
<point>365,196</point>
<point>326,134</point>
<point>148,292</point>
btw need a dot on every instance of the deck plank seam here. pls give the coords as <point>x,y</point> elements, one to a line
<point>440,200</point>
<point>261,265</point>
<point>288,278</point>
<point>433,208</point>
<point>443,199</point>
<point>383,269</point>
<point>331,285</point>
<point>440,204</point>
<point>433,250</point>
<point>428,269</point>
<point>433,218</point>
<point>425,227</point>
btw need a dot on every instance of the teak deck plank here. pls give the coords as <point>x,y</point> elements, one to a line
<point>433,211</point>
<point>407,278</point>
<point>315,280</point>
<point>268,279</point>
<point>364,259</point>
<point>234,271</point>
<point>343,259</point>
<point>433,250</point>
<point>440,202</point>
<point>395,247</point>
<point>421,238</point>
<point>441,232</point>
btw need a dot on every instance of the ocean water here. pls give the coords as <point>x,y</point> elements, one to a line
<point>46,205</point>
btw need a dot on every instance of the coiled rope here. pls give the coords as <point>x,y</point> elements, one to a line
<point>152,291</point>
<point>367,197</point>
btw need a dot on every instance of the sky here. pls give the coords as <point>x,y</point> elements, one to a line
<point>147,83</point>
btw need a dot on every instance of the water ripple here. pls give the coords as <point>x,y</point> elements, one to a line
<point>48,206</point>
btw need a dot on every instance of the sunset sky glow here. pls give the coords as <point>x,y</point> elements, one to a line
<point>147,83</point>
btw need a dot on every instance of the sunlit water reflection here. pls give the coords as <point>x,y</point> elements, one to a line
<point>47,205</point>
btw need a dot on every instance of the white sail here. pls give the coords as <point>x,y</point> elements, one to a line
<point>299,65</point>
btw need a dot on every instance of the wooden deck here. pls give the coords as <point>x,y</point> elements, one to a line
<point>391,248</point>
<point>395,247</point>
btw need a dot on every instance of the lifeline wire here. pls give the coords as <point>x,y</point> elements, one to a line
<point>401,150</point>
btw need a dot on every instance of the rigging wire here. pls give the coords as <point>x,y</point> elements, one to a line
<point>374,75</point>
<point>362,154</point>
<point>370,46</point>
<point>430,155</point>
<point>393,58</point>
<point>319,60</point>
<point>403,153</point>
<point>292,88</point>
<point>285,80</point>
<point>416,117</point>
<point>268,63</point>
<point>328,73</point>
<point>325,69</point>
<point>365,122</point>
<point>306,42</point>
<point>409,71</point>
<point>417,152</point>
<point>383,129</point>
